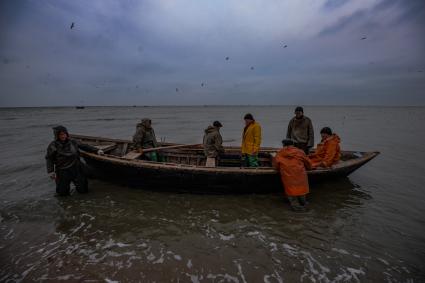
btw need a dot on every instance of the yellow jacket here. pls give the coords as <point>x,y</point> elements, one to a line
<point>251,138</point>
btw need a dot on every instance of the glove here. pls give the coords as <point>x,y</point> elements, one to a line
<point>52,175</point>
<point>100,152</point>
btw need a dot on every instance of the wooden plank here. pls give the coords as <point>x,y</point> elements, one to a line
<point>124,148</point>
<point>210,162</point>
<point>132,155</point>
<point>106,147</point>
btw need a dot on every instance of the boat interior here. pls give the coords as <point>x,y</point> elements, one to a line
<point>188,154</point>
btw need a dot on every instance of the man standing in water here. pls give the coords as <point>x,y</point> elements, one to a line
<point>292,163</point>
<point>300,130</point>
<point>145,138</point>
<point>63,162</point>
<point>213,144</point>
<point>251,141</point>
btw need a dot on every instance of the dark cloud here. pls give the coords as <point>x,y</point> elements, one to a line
<point>133,52</point>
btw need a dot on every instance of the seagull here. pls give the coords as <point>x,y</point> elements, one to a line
<point>227,58</point>
<point>177,89</point>
<point>252,68</point>
<point>202,84</point>
<point>363,38</point>
<point>285,46</point>
<point>72,25</point>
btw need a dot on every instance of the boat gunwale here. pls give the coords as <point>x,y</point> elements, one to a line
<point>341,166</point>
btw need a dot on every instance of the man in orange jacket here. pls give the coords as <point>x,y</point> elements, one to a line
<point>328,151</point>
<point>292,164</point>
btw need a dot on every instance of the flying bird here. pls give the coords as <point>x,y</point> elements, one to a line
<point>363,38</point>
<point>252,68</point>
<point>285,46</point>
<point>227,58</point>
<point>177,89</point>
<point>72,25</point>
<point>202,84</point>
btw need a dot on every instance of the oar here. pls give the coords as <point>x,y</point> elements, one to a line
<point>169,147</point>
<point>136,154</point>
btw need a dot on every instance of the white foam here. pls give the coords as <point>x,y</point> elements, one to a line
<point>226,238</point>
<point>341,251</point>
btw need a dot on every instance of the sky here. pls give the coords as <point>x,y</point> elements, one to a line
<point>212,52</point>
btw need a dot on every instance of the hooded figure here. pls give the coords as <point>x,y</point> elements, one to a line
<point>145,138</point>
<point>292,163</point>
<point>63,161</point>
<point>213,142</point>
<point>328,151</point>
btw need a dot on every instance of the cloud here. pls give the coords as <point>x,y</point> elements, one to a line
<point>132,52</point>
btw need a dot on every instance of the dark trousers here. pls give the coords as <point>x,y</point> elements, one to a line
<point>303,146</point>
<point>74,174</point>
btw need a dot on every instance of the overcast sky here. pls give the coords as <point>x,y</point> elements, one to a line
<point>195,52</point>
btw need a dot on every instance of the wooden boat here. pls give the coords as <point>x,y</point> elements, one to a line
<point>184,167</point>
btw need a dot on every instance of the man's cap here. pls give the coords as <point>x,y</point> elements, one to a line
<point>299,108</point>
<point>217,124</point>
<point>287,142</point>
<point>248,116</point>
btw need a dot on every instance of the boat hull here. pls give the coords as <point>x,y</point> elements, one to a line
<point>179,176</point>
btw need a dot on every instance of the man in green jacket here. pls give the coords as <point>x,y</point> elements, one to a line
<point>300,130</point>
<point>213,143</point>
<point>145,138</point>
<point>63,162</point>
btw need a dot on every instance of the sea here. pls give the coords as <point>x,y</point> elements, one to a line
<point>368,227</point>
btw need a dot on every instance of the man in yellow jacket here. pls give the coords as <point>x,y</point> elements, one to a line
<point>251,141</point>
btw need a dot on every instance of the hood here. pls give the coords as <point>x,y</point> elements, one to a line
<point>145,123</point>
<point>289,151</point>
<point>58,129</point>
<point>210,129</point>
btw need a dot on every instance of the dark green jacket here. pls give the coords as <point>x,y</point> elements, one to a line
<point>144,136</point>
<point>301,131</point>
<point>213,142</point>
<point>62,155</point>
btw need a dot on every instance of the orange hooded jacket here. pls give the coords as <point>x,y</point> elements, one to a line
<point>328,152</point>
<point>292,163</point>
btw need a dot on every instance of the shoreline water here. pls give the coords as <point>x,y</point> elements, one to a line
<point>366,228</point>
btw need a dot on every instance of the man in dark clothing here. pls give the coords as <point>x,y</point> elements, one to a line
<point>213,143</point>
<point>145,138</point>
<point>300,130</point>
<point>63,162</point>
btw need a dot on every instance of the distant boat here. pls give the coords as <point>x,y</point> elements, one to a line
<point>184,167</point>
<point>80,107</point>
